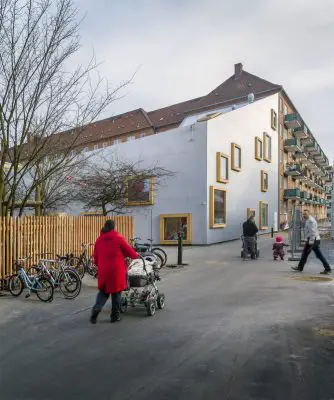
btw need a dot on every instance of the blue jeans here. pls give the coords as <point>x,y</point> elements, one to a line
<point>102,298</point>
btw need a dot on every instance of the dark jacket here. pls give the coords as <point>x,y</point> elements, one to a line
<point>249,228</point>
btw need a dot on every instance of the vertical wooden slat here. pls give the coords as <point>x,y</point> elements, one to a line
<point>23,236</point>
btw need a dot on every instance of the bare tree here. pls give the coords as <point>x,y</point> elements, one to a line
<point>108,185</point>
<point>40,95</point>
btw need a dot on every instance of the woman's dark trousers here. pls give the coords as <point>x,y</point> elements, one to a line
<point>101,300</point>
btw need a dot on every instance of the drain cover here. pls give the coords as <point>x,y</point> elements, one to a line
<point>311,278</point>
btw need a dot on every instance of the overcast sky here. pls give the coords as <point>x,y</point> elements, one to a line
<point>185,48</point>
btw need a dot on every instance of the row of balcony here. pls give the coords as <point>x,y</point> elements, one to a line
<point>297,171</point>
<point>310,153</point>
<point>297,194</point>
<point>301,132</point>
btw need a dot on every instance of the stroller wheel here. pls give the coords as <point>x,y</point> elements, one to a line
<point>150,307</point>
<point>124,305</point>
<point>161,301</point>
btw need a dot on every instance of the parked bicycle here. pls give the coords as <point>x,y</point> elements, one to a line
<point>64,277</point>
<point>148,248</point>
<point>85,263</point>
<point>40,285</point>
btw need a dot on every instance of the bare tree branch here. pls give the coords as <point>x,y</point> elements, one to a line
<point>105,183</point>
<point>40,95</point>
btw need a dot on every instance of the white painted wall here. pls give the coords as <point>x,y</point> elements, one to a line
<point>178,150</point>
<point>244,189</point>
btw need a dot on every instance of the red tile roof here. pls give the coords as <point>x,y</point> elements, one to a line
<point>234,90</point>
<point>136,120</point>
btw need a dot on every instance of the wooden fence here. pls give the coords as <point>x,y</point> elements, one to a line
<point>31,236</point>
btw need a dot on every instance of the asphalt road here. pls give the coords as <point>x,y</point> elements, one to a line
<point>230,330</point>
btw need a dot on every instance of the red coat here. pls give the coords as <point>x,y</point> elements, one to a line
<point>109,252</point>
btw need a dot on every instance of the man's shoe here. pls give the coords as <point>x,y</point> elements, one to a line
<point>297,269</point>
<point>326,272</point>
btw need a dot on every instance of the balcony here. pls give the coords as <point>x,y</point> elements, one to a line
<point>313,167</point>
<point>293,170</point>
<point>304,196</point>
<point>313,148</point>
<point>293,121</point>
<point>320,156</point>
<point>308,140</point>
<point>302,157</point>
<point>292,145</point>
<point>301,132</point>
<point>292,194</point>
<point>324,162</point>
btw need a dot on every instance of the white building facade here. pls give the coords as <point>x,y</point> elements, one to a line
<point>220,175</point>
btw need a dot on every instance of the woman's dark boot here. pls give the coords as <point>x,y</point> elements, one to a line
<point>93,317</point>
<point>115,316</point>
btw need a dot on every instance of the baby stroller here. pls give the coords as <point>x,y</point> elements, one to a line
<point>245,252</point>
<point>142,289</point>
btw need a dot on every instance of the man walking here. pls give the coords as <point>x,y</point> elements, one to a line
<point>312,238</point>
<point>249,232</point>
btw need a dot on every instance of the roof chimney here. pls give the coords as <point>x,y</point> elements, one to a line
<point>237,70</point>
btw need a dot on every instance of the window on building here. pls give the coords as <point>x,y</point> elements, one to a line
<point>258,149</point>
<point>281,182</point>
<point>139,191</point>
<point>263,211</point>
<point>285,108</point>
<point>267,147</point>
<point>281,130</point>
<point>236,157</point>
<point>273,120</point>
<point>281,105</point>
<point>264,181</point>
<point>217,207</point>
<point>222,168</point>
<point>173,224</point>
<point>285,134</point>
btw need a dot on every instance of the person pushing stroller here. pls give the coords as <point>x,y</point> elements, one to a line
<point>278,248</point>
<point>250,230</point>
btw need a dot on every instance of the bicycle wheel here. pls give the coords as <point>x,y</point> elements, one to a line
<point>78,264</point>
<point>15,285</point>
<point>92,269</point>
<point>44,289</point>
<point>162,253</point>
<point>69,283</point>
<point>149,256</point>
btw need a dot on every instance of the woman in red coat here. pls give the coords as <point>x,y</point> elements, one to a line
<point>109,252</point>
